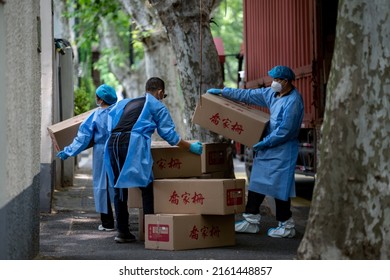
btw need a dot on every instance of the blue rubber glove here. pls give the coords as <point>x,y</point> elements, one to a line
<point>62,155</point>
<point>216,91</point>
<point>196,148</point>
<point>259,146</point>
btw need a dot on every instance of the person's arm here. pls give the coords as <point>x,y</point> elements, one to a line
<point>257,96</point>
<point>82,139</point>
<point>288,127</point>
<point>184,145</point>
<point>196,147</point>
<point>166,129</point>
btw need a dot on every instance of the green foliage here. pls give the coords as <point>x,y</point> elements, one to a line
<point>228,25</point>
<point>102,65</point>
<point>84,96</point>
<point>88,27</point>
<point>87,14</point>
<point>228,19</point>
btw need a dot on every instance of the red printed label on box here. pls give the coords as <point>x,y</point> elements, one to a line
<point>171,163</point>
<point>226,123</point>
<point>158,232</point>
<point>204,232</point>
<point>234,197</point>
<point>186,198</point>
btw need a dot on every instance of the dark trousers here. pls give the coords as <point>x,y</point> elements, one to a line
<point>117,148</point>
<point>147,199</point>
<point>108,219</point>
<point>283,211</point>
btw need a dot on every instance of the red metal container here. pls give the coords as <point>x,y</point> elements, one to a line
<point>296,33</point>
<point>281,32</point>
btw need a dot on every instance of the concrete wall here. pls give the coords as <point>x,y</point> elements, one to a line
<point>48,164</point>
<point>64,107</point>
<point>63,102</point>
<point>20,125</point>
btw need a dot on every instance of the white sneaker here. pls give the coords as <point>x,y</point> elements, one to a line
<point>250,223</point>
<point>102,228</point>
<point>285,229</point>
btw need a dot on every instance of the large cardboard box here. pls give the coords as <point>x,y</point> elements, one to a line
<point>215,175</point>
<point>141,224</point>
<point>199,196</point>
<point>187,231</point>
<point>215,157</point>
<point>134,198</point>
<point>63,133</point>
<point>174,162</point>
<point>231,119</point>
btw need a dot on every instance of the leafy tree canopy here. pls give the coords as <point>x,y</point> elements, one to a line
<point>227,23</point>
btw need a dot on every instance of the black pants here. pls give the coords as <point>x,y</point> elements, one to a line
<point>117,149</point>
<point>108,219</point>
<point>283,211</point>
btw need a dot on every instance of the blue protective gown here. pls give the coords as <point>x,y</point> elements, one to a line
<point>94,128</point>
<point>137,169</point>
<point>273,168</point>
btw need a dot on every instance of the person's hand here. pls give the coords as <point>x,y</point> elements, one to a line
<point>216,91</point>
<point>196,148</point>
<point>259,146</point>
<point>62,155</point>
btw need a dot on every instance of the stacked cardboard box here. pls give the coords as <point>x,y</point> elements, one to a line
<point>188,231</point>
<point>199,196</point>
<point>188,170</point>
<point>187,206</point>
<point>192,210</point>
<point>174,162</point>
<point>215,161</point>
<point>184,195</point>
<point>194,213</point>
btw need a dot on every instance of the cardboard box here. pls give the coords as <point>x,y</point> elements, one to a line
<point>231,119</point>
<point>215,157</point>
<point>63,133</point>
<point>141,224</point>
<point>199,196</point>
<point>134,198</point>
<point>215,175</point>
<point>186,231</point>
<point>174,162</point>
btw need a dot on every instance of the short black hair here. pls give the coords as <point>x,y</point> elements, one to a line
<point>154,84</point>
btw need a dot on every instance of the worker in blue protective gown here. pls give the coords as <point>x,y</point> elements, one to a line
<point>273,170</point>
<point>94,130</point>
<point>128,151</point>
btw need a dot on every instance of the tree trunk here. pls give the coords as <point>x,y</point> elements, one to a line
<point>131,80</point>
<point>159,56</point>
<point>350,216</point>
<point>182,22</point>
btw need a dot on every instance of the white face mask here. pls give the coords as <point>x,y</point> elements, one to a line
<point>276,87</point>
<point>98,104</point>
